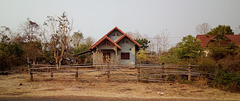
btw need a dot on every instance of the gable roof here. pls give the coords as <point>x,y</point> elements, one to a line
<point>115,43</point>
<point>125,35</point>
<point>101,40</point>
<point>234,38</point>
<point>205,40</point>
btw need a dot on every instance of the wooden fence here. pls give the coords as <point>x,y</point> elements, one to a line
<point>140,72</point>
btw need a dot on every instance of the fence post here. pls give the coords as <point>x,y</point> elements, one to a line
<point>189,72</point>
<point>51,69</point>
<point>163,71</point>
<point>76,77</point>
<point>163,68</point>
<point>29,69</point>
<point>108,74</point>
<point>139,73</point>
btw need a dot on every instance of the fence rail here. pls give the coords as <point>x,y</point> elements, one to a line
<point>139,72</point>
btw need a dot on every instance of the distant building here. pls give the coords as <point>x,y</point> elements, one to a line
<point>116,47</point>
<point>211,41</point>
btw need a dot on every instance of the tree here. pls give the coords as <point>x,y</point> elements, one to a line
<point>89,41</point>
<point>203,28</point>
<point>30,31</point>
<point>32,50</point>
<point>5,33</point>
<point>188,48</point>
<point>143,42</point>
<point>60,36</point>
<point>77,37</point>
<point>134,35</point>
<point>220,32</point>
<point>82,48</point>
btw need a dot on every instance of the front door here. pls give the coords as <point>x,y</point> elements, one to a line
<point>106,57</point>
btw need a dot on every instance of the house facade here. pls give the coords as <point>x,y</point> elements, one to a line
<point>116,47</point>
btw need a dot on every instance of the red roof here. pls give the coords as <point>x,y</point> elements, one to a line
<point>205,40</point>
<point>234,38</point>
<point>115,43</point>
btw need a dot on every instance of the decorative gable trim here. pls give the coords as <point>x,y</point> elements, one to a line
<point>125,35</point>
<point>101,40</point>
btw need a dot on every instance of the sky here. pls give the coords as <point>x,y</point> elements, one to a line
<point>95,18</point>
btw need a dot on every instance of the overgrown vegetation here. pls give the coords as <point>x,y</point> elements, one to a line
<point>221,60</point>
<point>51,43</point>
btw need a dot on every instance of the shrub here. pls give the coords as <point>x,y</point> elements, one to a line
<point>227,81</point>
<point>169,59</point>
<point>208,65</point>
<point>229,64</point>
<point>10,55</point>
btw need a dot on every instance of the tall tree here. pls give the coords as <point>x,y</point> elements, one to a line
<point>188,48</point>
<point>60,36</point>
<point>203,28</point>
<point>162,42</point>
<point>89,41</point>
<point>143,42</point>
<point>220,32</point>
<point>5,33</point>
<point>30,30</point>
<point>77,37</point>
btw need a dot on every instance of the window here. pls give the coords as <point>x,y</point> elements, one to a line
<point>125,56</point>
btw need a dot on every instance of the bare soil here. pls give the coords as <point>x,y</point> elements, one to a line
<point>15,86</point>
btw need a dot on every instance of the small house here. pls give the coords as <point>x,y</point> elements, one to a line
<point>116,47</point>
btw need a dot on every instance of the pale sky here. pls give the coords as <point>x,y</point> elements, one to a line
<point>96,17</point>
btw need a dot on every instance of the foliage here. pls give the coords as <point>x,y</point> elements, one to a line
<point>227,81</point>
<point>48,57</point>
<point>32,50</point>
<point>5,33</point>
<point>169,58</point>
<point>219,53</point>
<point>220,31</point>
<point>208,65</point>
<point>143,42</point>
<point>142,57</point>
<point>10,55</point>
<point>77,37</point>
<point>188,48</point>
<point>30,31</point>
<point>82,48</point>
<point>230,64</point>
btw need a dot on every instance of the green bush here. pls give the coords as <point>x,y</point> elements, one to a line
<point>10,55</point>
<point>227,81</point>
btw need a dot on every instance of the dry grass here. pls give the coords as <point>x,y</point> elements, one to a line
<point>18,85</point>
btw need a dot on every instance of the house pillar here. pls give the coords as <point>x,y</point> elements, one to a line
<point>115,49</point>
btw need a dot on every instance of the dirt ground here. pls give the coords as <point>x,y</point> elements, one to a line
<point>18,85</point>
